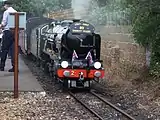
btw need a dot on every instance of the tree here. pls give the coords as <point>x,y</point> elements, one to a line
<point>40,7</point>
<point>23,5</point>
<point>146,28</point>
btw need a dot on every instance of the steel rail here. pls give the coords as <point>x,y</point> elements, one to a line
<point>113,106</point>
<point>93,112</point>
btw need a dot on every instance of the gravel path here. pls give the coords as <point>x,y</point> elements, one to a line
<point>40,106</point>
<point>53,104</point>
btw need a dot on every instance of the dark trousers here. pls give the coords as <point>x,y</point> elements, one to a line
<point>7,44</point>
<point>10,51</point>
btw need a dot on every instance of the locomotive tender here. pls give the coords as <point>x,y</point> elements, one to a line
<point>67,49</point>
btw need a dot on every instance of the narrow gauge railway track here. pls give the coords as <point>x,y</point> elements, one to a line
<point>104,112</point>
<point>49,87</point>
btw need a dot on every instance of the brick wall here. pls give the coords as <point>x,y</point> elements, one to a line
<point>122,58</point>
<point>67,14</point>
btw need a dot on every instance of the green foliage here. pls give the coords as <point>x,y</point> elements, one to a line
<point>146,28</point>
<point>40,7</point>
<point>144,15</point>
<point>23,5</point>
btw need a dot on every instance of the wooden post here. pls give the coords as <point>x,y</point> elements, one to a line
<point>16,22</point>
<point>16,55</point>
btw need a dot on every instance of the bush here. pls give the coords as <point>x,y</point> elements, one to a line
<point>146,29</point>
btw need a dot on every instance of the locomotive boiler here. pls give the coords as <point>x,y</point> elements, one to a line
<point>69,50</point>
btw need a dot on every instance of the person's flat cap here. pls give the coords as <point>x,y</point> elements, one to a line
<point>7,2</point>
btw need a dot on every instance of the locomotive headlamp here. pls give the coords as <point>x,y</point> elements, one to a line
<point>64,64</point>
<point>97,65</point>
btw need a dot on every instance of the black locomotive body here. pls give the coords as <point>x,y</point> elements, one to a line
<point>69,50</point>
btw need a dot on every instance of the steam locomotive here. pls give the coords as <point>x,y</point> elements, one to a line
<point>69,50</point>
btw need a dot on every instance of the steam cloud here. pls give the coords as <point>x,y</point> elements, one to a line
<point>80,8</point>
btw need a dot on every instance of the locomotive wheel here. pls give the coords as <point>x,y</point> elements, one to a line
<point>51,74</point>
<point>46,68</point>
<point>66,84</point>
<point>38,63</point>
<point>34,59</point>
<point>55,78</point>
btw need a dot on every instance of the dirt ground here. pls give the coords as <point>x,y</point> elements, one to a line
<point>139,97</point>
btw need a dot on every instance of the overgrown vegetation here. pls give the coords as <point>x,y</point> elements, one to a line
<point>146,28</point>
<point>143,15</point>
<point>40,7</point>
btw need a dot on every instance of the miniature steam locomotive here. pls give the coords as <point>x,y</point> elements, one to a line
<point>69,50</point>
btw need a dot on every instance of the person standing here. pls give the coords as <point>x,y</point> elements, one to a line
<point>1,34</point>
<point>9,53</point>
<point>8,37</point>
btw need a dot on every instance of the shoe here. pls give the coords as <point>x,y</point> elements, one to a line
<point>1,69</point>
<point>11,70</point>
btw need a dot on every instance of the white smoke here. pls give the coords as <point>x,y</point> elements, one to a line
<point>80,8</point>
<point>110,14</point>
<point>89,11</point>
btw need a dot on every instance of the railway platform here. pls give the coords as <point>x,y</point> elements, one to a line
<point>26,80</point>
